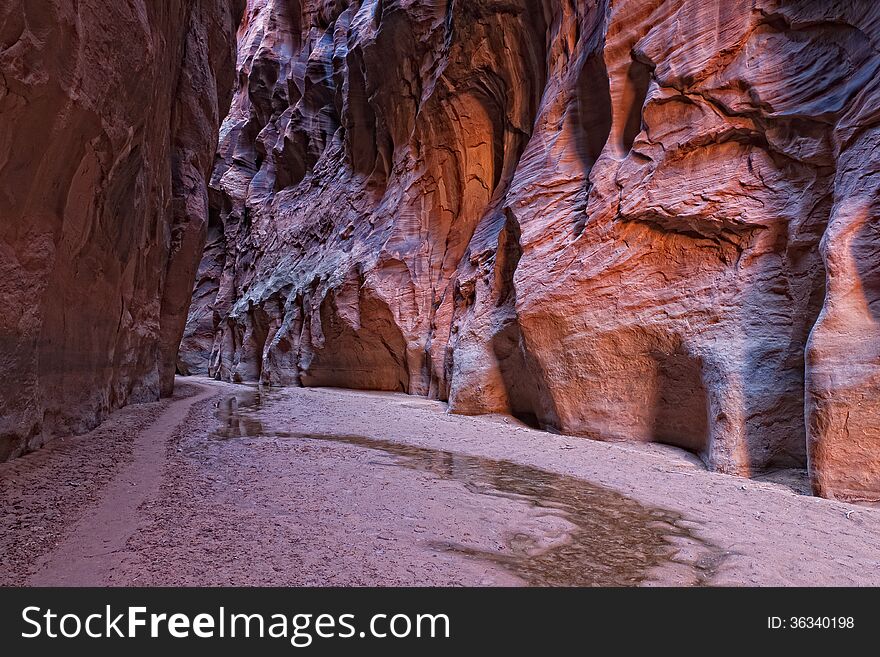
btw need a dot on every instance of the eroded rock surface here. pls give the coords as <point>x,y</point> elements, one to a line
<point>109,114</point>
<point>615,218</point>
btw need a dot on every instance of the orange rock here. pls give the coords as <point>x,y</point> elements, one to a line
<point>109,125</point>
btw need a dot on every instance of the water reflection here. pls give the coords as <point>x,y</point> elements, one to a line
<point>234,422</point>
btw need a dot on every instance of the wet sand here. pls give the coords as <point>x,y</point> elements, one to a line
<point>230,485</point>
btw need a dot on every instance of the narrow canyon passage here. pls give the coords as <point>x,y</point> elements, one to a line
<point>235,485</point>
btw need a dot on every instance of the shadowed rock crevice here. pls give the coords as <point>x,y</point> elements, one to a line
<point>253,343</point>
<point>359,347</point>
<point>638,79</point>
<point>680,407</point>
<point>526,396</point>
<point>865,251</point>
<point>594,114</point>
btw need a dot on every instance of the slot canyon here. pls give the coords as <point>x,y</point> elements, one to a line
<point>626,249</point>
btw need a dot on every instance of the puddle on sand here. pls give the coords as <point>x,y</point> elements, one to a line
<point>614,541</point>
<point>233,422</point>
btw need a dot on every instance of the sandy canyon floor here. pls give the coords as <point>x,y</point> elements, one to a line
<point>231,485</point>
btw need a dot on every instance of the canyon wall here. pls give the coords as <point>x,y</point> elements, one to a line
<point>622,219</point>
<point>109,115</point>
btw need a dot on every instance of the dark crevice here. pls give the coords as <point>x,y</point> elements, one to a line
<point>592,120</point>
<point>527,394</point>
<point>638,80</point>
<point>371,356</point>
<point>259,333</point>
<point>680,406</point>
<point>593,111</point>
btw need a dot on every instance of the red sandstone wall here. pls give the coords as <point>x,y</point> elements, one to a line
<point>625,219</point>
<point>109,114</point>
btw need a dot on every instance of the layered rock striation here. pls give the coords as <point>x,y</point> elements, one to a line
<point>109,114</point>
<point>622,219</point>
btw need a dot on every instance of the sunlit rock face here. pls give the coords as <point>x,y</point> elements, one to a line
<point>109,113</point>
<point>623,219</point>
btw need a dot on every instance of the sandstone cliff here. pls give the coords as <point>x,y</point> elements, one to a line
<point>623,219</point>
<point>109,113</point>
